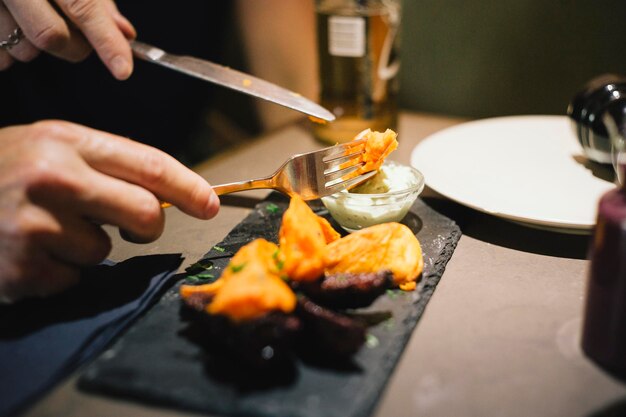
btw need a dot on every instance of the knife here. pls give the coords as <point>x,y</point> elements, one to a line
<point>230,78</point>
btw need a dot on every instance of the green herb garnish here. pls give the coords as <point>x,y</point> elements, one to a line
<point>389,324</point>
<point>272,208</point>
<point>219,248</point>
<point>200,266</point>
<point>279,263</point>
<point>392,294</point>
<point>201,278</point>
<point>237,268</point>
<point>371,341</point>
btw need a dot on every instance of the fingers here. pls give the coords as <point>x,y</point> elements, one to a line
<point>45,251</point>
<point>88,174</point>
<point>146,167</point>
<point>116,180</point>
<point>24,51</point>
<point>82,24</point>
<point>42,276</point>
<point>46,30</point>
<point>123,24</point>
<point>94,19</point>
<point>60,181</point>
<point>69,238</point>
<point>127,206</point>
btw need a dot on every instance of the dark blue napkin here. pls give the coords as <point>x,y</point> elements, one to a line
<point>44,341</point>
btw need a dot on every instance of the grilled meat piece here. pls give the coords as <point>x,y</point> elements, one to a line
<point>198,301</point>
<point>331,332</point>
<point>347,290</point>
<point>391,246</point>
<point>262,343</point>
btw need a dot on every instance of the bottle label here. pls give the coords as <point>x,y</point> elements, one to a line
<point>346,36</point>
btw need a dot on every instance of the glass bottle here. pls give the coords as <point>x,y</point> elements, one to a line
<point>358,50</point>
<point>604,328</point>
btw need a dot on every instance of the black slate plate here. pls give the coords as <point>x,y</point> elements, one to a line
<point>158,361</point>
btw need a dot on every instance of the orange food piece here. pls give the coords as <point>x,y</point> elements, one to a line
<point>250,286</point>
<point>330,234</point>
<point>206,289</point>
<point>377,147</point>
<point>302,238</point>
<point>388,246</point>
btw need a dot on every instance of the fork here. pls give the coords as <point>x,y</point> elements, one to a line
<point>310,175</point>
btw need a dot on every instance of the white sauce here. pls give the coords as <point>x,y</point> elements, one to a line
<point>376,201</point>
<point>390,178</point>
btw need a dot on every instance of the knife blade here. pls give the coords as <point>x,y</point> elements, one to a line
<point>230,78</point>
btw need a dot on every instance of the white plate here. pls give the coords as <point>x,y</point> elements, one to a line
<point>528,169</point>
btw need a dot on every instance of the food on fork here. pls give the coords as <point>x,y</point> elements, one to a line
<point>377,147</point>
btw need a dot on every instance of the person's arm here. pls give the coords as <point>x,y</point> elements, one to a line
<point>60,181</point>
<point>68,29</point>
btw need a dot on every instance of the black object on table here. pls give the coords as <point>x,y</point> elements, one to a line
<point>157,361</point>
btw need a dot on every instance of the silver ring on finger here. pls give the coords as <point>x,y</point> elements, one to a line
<point>14,38</point>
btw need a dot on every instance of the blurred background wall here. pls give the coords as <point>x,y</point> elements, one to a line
<point>473,59</point>
<point>464,58</point>
<point>501,57</point>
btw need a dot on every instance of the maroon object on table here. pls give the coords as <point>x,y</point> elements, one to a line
<point>604,332</point>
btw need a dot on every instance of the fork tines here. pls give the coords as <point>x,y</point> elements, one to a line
<point>339,185</point>
<point>339,157</point>
<point>341,163</point>
<point>343,150</point>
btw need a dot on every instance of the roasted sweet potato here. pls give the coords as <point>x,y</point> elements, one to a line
<point>199,296</point>
<point>302,238</point>
<point>387,246</point>
<point>249,287</point>
<point>330,234</point>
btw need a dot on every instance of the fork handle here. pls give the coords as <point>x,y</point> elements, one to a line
<point>232,187</point>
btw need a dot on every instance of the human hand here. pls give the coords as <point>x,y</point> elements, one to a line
<point>60,181</point>
<point>68,29</point>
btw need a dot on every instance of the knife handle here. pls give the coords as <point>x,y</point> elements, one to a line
<point>147,52</point>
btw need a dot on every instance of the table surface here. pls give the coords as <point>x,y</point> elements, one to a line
<point>500,336</point>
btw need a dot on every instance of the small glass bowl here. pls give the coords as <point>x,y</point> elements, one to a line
<point>356,211</point>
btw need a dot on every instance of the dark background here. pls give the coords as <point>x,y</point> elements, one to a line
<point>157,106</point>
